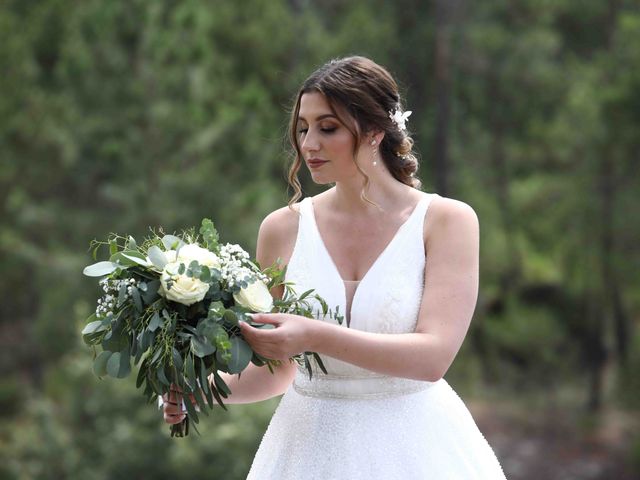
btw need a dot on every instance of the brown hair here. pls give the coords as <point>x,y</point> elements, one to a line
<point>368,93</point>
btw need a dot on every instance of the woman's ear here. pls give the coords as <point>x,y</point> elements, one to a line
<point>375,137</point>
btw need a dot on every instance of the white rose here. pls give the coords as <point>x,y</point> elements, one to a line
<point>185,290</point>
<point>192,251</point>
<point>255,297</point>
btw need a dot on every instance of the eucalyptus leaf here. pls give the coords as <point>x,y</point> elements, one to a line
<point>131,243</point>
<point>216,310</point>
<point>194,269</point>
<point>221,385</point>
<point>142,372</point>
<point>122,293</point>
<point>205,273</point>
<point>204,382</point>
<point>230,317</point>
<point>144,340</point>
<point>191,411</point>
<point>216,395</point>
<point>171,242</point>
<point>100,269</point>
<point>177,359</point>
<point>157,257</point>
<point>139,260</point>
<point>137,301</point>
<point>191,372</point>
<point>200,398</point>
<point>163,377</point>
<point>113,364</point>
<point>201,347</point>
<point>155,322</point>
<point>93,327</point>
<point>156,355</point>
<point>318,360</point>
<point>115,340</point>
<point>119,364</point>
<point>241,354</point>
<point>100,363</point>
<point>151,294</point>
<point>125,364</point>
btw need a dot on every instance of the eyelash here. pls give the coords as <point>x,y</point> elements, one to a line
<point>324,130</point>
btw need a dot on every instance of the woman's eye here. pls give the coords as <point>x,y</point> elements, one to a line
<point>329,129</point>
<point>302,131</point>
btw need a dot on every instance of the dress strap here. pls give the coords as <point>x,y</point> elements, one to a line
<point>416,220</point>
<point>305,225</point>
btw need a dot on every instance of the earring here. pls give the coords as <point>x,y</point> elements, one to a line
<point>375,153</point>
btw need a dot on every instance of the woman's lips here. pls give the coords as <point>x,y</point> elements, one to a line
<point>316,162</point>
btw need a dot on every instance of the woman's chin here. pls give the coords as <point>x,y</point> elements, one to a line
<point>319,179</point>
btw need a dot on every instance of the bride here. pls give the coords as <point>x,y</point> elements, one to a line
<point>403,267</point>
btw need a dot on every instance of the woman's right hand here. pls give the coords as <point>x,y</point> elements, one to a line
<point>172,406</point>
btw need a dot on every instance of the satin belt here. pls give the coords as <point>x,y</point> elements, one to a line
<point>355,386</point>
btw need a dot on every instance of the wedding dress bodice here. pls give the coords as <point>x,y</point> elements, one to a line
<point>387,300</point>
<point>354,424</point>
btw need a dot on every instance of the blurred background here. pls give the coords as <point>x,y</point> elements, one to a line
<point>120,115</point>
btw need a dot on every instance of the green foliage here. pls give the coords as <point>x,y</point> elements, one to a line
<point>117,115</point>
<point>75,424</point>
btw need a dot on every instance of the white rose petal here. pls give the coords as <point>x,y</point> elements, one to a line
<point>185,290</point>
<point>192,251</point>
<point>255,297</point>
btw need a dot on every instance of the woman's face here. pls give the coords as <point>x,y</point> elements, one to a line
<point>325,142</point>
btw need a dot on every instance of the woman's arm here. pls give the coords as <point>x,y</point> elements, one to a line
<point>276,239</point>
<point>449,298</point>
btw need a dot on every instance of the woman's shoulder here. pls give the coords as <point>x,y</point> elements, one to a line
<point>446,208</point>
<point>448,216</point>
<point>281,221</point>
<point>277,234</point>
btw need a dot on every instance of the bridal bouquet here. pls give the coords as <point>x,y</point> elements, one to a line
<point>172,305</point>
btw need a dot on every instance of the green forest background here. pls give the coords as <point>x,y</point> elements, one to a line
<point>120,115</point>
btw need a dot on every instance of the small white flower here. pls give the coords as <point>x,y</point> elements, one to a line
<point>400,118</point>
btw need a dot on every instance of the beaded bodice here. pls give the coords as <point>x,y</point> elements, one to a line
<point>386,300</point>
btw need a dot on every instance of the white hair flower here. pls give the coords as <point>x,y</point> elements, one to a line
<point>400,118</point>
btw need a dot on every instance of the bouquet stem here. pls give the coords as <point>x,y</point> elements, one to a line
<point>180,429</point>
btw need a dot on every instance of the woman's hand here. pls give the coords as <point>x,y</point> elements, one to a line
<point>172,405</point>
<point>289,338</point>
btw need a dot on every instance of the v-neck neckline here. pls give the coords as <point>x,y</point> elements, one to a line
<point>377,260</point>
<point>380,255</point>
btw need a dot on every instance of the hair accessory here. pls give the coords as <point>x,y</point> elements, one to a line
<point>399,117</point>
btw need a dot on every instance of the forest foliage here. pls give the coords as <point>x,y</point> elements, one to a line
<point>117,116</point>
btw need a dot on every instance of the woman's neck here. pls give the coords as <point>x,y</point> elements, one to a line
<point>388,194</point>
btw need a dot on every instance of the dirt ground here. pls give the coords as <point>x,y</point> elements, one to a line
<point>548,444</point>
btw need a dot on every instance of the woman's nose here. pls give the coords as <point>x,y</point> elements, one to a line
<point>310,142</point>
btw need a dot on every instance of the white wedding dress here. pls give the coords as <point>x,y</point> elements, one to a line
<point>356,424</point>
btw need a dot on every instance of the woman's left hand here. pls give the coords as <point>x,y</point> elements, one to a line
<point>288,338</point>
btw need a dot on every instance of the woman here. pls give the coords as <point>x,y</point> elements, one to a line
<point>383,410</point>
